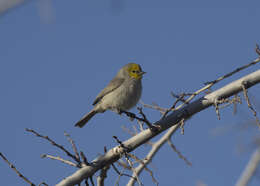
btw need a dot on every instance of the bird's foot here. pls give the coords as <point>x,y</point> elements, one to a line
<point>131,115</point>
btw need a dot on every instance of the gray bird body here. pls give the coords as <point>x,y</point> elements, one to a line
<point>122,93</point>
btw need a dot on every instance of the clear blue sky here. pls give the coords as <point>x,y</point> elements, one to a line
<point>55,58</point>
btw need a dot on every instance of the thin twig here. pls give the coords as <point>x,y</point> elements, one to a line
<point>60,159</point>
<point>125,149</point>
<point>154,106</point>
<point>179,98</point>
<point>250,170</point>
<point>233,72</point>
<point>249,103</point>
<point>133,169</point>
<point>102,176</point>
<point>129,131</point>
<point>145,167</point>
<point>119,173</point>
<point>143,119</point>
<point>178,152</point>
<point>74,147</point>
<point>16,171</point>
<point>54,144</point>
<point>85,161</point>
<point>182,126</point>
<point>119,176</point>
<point>209,84</point>
<point>123,164</point>
<point>216,103</point>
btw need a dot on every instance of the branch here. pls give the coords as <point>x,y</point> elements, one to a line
<point>249,103</point>
<point>164,112</point>
<point>103,173</point>
<point>156,146</point>
<point>250,169</point>
<point>7,5</point>
<point>59,159</point>
<point>171,120</point>
<point>75,158</point>
<point>16,171</point>
<point>179,153</point>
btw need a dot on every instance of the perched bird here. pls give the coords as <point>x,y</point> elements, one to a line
<point>121,94</point>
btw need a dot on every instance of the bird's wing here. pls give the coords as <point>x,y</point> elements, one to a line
<point>113,84</point>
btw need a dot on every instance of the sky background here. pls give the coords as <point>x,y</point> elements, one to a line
<point>55,57</point>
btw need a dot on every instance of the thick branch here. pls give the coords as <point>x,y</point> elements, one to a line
<point>165,123</point>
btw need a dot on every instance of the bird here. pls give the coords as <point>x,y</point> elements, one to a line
<point>121,94</point>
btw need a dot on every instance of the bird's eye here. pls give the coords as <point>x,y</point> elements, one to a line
<point>133,71</point>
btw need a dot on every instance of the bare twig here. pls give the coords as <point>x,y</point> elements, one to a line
<point>178,152</point>
<point>119,173</point>
<point>244,84</point>
<point>60,159</point>
<point>16,171</point>
<point>135,132</point>
<point>216,103</point>
<point>74,147</point>
<point>250,169</point>
<point>143,119</point>
<point>233,72</point>
<point>102,176</point>
<point>154,106</point>
<point>85,161</point>
<point>152,152</point>
<point>129,131</point>
<point>125,149</point>
<point>182,126</point>
<point>145,167</point>
<point>209,84</point>
<point>123,164</point>
<point>103,173</point>
<point>181,96</point>
<point>178,99</point>
<point>236,100</point>
<point>118,178</point>
<point>133,169</point>
<point>55,144</point>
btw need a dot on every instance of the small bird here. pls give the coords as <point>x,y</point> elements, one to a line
<point>121,94</point>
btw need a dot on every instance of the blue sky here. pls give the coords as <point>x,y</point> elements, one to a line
<point>57,56</point>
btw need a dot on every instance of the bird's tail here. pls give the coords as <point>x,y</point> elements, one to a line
<point>85,118</point>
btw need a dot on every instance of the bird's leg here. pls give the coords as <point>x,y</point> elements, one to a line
<point>129,114</point>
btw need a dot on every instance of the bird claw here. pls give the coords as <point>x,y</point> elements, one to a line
<point>155,128</point>
<point>129,114</point>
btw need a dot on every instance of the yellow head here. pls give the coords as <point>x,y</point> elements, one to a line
<point>134,70</point>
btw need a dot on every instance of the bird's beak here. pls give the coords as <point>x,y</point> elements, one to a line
<point>141,73</point>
